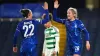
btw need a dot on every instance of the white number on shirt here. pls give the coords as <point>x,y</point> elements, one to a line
<point>26,28</point>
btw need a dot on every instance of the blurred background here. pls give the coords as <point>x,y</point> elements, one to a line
<point>88,12</point>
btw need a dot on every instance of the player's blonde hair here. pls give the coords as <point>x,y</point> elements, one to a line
<point>74,10</point>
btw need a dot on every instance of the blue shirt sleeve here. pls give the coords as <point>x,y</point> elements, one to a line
<point>46,19</point>
<point>84,30</point>
<point>55,18</point>
<point>17,32</point>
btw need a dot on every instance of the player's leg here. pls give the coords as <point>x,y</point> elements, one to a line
<point>21,54</point>
<point>34,51</point>
<point>22,51</point>
<point>28,54</point>
<point>76,55</point>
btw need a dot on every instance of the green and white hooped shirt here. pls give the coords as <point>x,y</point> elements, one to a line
<point>51,40</point>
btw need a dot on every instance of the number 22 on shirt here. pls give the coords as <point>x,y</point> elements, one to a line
<point>26,28</point>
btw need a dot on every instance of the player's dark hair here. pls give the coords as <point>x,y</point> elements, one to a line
<point>25,12</point>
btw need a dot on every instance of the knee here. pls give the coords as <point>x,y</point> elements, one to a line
<point>76,55</point>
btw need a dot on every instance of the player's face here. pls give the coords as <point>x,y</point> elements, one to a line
<point>47,25</point>
<point>70,14</point>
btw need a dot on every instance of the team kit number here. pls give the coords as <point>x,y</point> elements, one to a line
<point>26,28</point>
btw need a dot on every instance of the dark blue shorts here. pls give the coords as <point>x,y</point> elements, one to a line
<point>29,51</point>
<point>28,48</point>
<point>73,49</point>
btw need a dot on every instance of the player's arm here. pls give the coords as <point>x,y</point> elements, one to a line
<point>57,38</point>
<point>84,30</point>
<point>46,18</point>
<point>15,38</point>
<point>55,18</point>
<point>44,45</point>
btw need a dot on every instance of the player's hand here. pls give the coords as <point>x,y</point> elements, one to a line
<point>15,49</point>
<point>87,45</point>
<point>43,54</point>
<point>56,5</point>
<point>45,6</point>
<point>54,53</point>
